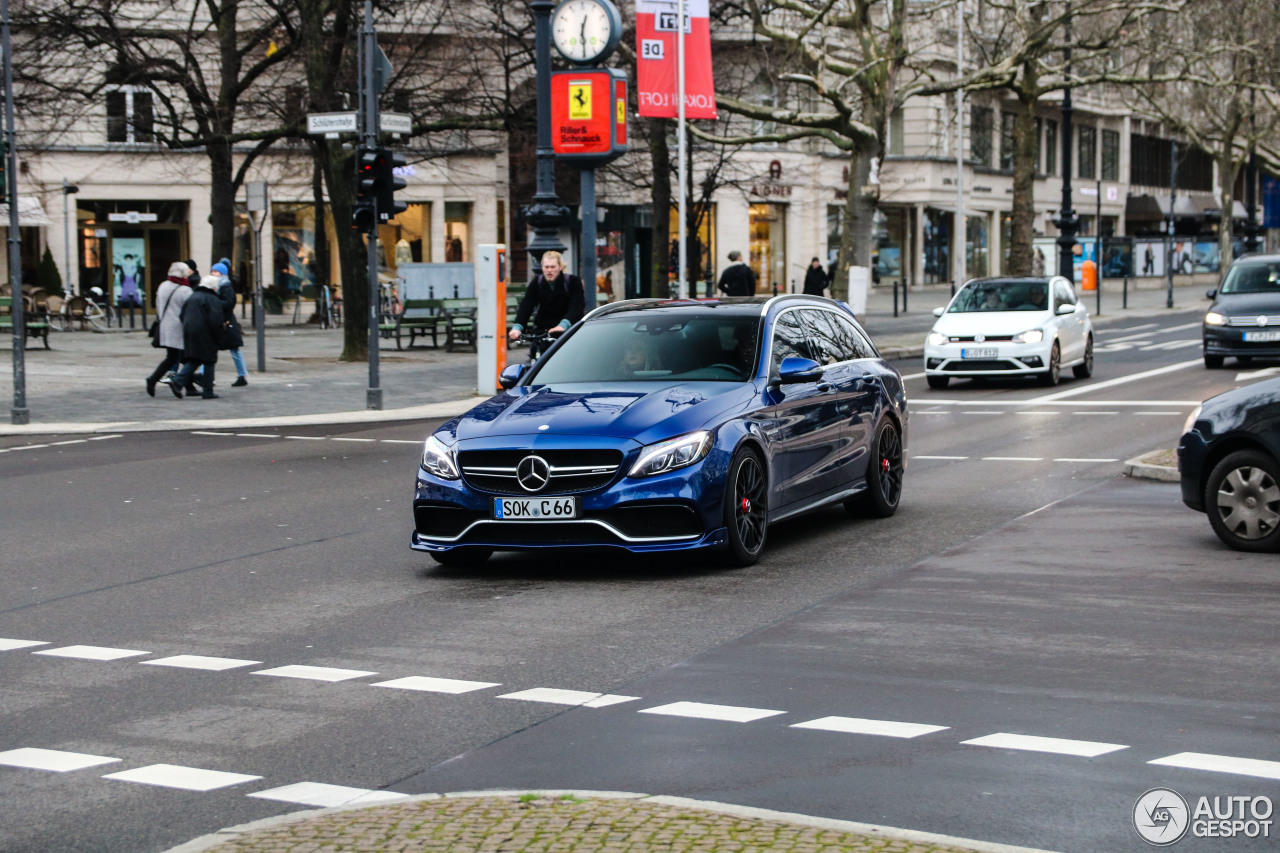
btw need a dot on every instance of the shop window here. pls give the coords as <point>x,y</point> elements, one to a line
<point>768,230</point>
<point>1087,149</point>
<point>977,248</point>
<point>457,232</point>
<point>293,245</point>
<point>130,115</point>
<point>409,236</point>
<point>701,244</point>
<point>1110,155</point>
<point>980,135</point>
<point>937,245</point>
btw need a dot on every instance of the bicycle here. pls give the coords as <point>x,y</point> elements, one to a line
<point>537,341</point>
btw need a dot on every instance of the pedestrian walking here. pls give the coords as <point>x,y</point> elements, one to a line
<point>232,338</point>
<point>737,279</point>
<point>201,330</point>
<point>171,295</point>
<point>815,278</point>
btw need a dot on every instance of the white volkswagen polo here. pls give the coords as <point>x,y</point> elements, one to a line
<point>1010,326</point>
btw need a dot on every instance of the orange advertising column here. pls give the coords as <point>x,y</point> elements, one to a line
<point>1088,275</point>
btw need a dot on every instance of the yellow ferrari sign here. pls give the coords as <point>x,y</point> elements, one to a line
<point>580,100</point>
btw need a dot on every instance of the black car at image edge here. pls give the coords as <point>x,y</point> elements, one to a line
<point>1244,320</point>
<point>1227,458</point>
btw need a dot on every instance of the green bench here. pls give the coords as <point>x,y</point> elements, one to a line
<point>418,318</point>
<point>460,323</point>
<point>37,325</point>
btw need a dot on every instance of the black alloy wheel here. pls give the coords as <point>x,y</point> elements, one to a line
<point>884,475</point>
<point>462,558</point>
<point>746,508</point>
<point>1051,376</point>
<point>1242,498</point>
<point>1085,369</point>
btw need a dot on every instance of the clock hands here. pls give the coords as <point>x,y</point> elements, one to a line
<point>583,36</point>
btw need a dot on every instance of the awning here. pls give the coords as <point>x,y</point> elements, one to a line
<point>30,213</point>
<point>1157,207</point>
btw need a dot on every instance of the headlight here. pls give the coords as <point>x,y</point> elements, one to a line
<point>937,339</point>
<point>1031,336</point>
<point>672,454</point>
<point>1213,318</point>
<point>438,459</point>
<point>1191,420</point>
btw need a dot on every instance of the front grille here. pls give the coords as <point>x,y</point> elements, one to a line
<point>971,364</point>
<point>572,471</point>
<point>1252,320</point>
<point>543,533</point>
<point>968,339</point>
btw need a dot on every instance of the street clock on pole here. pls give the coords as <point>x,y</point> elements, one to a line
<point>586,31</point>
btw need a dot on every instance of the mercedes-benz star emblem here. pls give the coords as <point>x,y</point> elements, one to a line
<point>532,473</point>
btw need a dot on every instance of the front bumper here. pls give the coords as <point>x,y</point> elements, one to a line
<point>1230,341</point>
<point>1192,450</point>
<point>1009,359</point>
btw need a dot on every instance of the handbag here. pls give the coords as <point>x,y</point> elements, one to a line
<point>154,331</point>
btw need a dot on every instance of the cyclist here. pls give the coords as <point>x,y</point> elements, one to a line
<point>556,296</point>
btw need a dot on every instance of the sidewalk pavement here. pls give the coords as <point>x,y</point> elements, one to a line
<point>549,821</point>
<point>94,382</point>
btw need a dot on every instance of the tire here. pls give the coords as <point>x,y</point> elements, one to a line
<point>462,557</point>
<point>884,475</point>
<point>1085,369</point>
<point>1242,498</point>
<point>746,509</point>
<point>1053,375</point>
<point>1213,362</point>
<point>937,383</point>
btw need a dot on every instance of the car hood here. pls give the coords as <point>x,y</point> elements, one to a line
<point>645,411</point>
<point>1244,304</point>
<point>990,322</point>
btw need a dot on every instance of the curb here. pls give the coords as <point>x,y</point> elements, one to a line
<point>244,831</point>
<point>1144,468</point>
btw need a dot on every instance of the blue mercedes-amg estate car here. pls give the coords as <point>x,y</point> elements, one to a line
<point>668,425</point>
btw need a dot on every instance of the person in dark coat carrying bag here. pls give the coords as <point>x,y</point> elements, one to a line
<point>202,326</point>
<point>232,337</point>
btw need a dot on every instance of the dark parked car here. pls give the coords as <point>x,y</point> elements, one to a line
<point>1244,319</point>
<point>656,426</point>
<point>1228,460</point>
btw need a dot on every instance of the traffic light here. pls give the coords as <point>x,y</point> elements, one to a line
<point>388,207</point>
<point>367,187</point>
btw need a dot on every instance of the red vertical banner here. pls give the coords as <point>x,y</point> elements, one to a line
<point>656,75</point>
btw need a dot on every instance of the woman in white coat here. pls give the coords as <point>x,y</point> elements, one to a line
<point>172,294</point>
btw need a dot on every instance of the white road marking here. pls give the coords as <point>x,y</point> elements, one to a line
<point>362,440</point>
<point>52,759</point>
<point>1013,459</point>
<point>1082,459</point>
<point>1095,413</point>
<point>183,778</point>
<point>103,437</point>
<point>256,435</point>
<point>940,457</point>
<point>206,432</point>
<point>306,437</point>
<point>437,685</point>
<point>920,375</point>
<point>399,441</point>
<point>327,796</point>
<point>1126,332</point>
<point>1031,743</point>
<point>1119,380</point>
<point>1257,374</point>
<point>71,441</point>
<point>569,697</point>
<point>201,662</point>
<point>1222,764</point>
<point>314,673</point>
<point>703,711</point>
<point>1033,412</point>
<point>28,447</point>
<point>858,726</point>
<point>1198,324</point>
<point>981,412</point>
<point>10,645</point>
<point>931,413</point>
<point>91,653</point>
<point>1179,414</point>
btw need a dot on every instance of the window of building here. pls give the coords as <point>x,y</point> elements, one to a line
<point>980,135</point>
<point>130,115</point>
<point>1039,141</point>
<point>768,230</point>
<point>409,235</point>
<point>1050,147</point>
<point>699,242</point>
<point>764,93</point>
<point>977,247</point>
<point>937,245</point>
<point>1006,141</point>
<point>457,232</point>
<point>1110,155</point>
<point>896,131</point>
<point>835,227</point>
<point>1087,151</point>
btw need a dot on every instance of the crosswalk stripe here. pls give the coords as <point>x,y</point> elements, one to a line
<point>91,653</point>
<point>314,673</point>
<point>183,778</point>
<point>859,726</point>
<point>437,685</point>
<point>9,645</point>
<point>327,796</point>
<point>1221,764</point>
<point>569,697</point>
<point>212,664</point>
<point>54,760</point>
<point>701,710</point>
<point>1032,743</point>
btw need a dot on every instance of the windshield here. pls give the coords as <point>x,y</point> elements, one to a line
<point>1001,296</point>
<point>656,347</point>
<point>1254,277</point>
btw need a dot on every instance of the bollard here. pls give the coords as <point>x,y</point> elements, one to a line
<point>130,316</point>
<point>905,291</point>
<point>1125,302</point>
<point>895,298</point>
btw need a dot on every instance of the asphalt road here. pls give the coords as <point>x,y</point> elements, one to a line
<point>1023,588</point>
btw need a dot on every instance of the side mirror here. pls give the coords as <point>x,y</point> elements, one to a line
<point>510,375</point>
<point>1066,308</point>
<point>938,312</point>
<point>1211,293</point>
<point>795,369</point>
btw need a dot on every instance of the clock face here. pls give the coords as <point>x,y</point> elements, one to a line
<point>583,30</point>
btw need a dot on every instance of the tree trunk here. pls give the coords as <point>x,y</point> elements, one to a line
<point>855,231</point>
<point>661,156</point>
<point>222,200</point>
<point>1025,144</point>
<point>1228,169</point>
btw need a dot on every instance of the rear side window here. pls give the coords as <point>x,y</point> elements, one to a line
<point>789,339</point>
<point>835,338</point>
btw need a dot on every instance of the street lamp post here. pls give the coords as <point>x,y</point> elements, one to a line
<point>19,413</point>
<point>1251,184</point>
<point>546,214</point>
<point>68,190</point>
<point>1067,220</point>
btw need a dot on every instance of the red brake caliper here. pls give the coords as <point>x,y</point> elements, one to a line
<point>884,465</point>
<point>746,506</point>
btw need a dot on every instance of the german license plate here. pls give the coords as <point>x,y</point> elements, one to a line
<point>980,352</point>
<point>534,509</point>
<point>1261,337</point>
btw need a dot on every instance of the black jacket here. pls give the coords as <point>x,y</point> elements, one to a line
<point>559,299</point>
<point>815,281</point>
<point>231,337</point>
<point>201,325</point>
<point>737,279</point>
